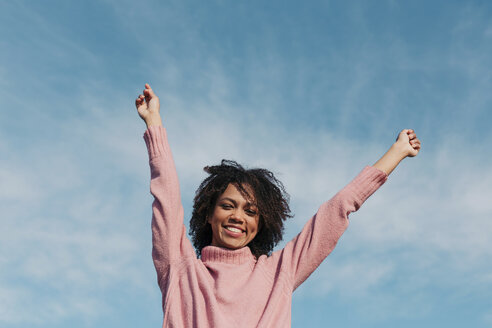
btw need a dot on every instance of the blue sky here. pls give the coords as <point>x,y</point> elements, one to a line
<point>311,91</point>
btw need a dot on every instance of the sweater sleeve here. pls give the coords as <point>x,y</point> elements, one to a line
<point>169,241</point>
<point>303,254</point>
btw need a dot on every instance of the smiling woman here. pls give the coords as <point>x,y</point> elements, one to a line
<point>236,280</point>
<point>234,221</point>
<point>232,197</point>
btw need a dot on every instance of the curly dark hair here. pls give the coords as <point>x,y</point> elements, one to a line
<point>269,195</point>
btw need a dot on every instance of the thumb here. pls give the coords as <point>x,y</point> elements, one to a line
<point>403,134</point>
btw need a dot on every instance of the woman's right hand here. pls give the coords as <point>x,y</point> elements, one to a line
<point>148,106</point>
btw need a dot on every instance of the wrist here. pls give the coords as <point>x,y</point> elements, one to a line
<point>153,120</point>
<point>399,151</point>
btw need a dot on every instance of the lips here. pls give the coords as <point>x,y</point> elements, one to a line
<point>234,229</point>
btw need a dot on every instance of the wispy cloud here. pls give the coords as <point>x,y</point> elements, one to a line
<point>309,106</point>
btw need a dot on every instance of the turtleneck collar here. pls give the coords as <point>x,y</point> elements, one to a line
<point>225,255</point>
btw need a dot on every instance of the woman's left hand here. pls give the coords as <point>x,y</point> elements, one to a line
<point>408,142</point>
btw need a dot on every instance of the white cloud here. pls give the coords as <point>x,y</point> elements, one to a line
<point>15,184</point>
<point>76,207</point>
<point>68,230</point>
<point>427,229</point>
<point>420,210</point>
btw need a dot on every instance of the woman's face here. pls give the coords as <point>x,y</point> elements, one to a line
<point>234,220</point>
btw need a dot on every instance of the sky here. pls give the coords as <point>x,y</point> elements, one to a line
<point>313,91</point>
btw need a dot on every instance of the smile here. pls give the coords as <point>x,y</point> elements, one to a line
<point>233,229</point>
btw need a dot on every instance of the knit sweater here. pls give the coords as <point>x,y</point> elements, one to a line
<point>231,288</point>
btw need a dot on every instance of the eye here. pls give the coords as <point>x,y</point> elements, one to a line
<point>226,206</point>
<point>251,212</point>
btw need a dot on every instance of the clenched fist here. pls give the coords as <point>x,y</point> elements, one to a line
<point>407,141</point>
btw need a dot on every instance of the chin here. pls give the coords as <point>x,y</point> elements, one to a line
<point>233,246</point>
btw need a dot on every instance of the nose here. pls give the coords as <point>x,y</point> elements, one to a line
<point>237,216</point>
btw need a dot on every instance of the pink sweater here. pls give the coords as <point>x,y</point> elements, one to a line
<point>231,288</point>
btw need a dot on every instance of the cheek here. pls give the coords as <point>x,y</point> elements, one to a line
<point>255,226</point>
<point>212,217</point>
<point>214,224</point>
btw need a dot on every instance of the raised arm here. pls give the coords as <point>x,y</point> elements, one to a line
<point>302,255</point>
<point>169,242</point>
<point>407,145</point>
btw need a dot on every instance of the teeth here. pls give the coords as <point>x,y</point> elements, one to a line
<point>234,229</point>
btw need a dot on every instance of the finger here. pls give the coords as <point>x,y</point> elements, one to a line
<point>139,101</point>
<point>148,94</point>
<point>150,91</point>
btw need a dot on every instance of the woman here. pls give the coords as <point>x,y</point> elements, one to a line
<point>237,220</point>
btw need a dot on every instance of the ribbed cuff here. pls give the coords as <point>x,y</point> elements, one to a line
<point>155,137</point>
<point>367,182</point>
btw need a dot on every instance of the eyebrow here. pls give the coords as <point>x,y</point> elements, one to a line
<point>234,202</point>
<point>229,199</point>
